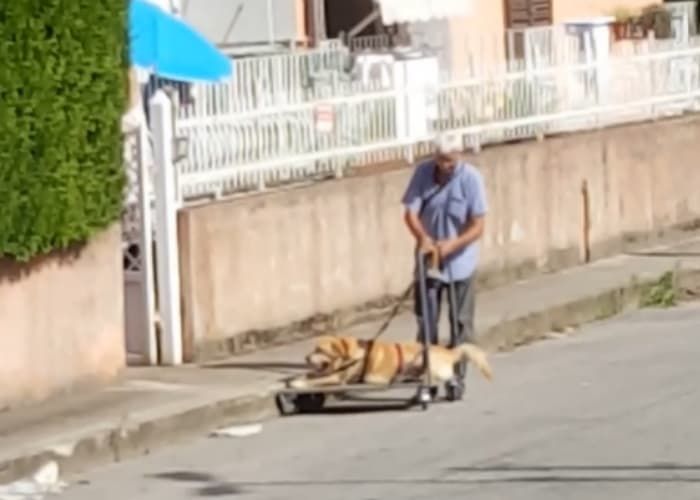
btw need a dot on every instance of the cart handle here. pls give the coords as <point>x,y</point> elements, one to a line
<point>433,256</point>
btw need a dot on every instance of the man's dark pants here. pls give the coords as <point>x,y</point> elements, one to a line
<point>464,303</point>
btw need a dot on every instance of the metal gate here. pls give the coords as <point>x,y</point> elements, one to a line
<point>150,241</point>
<point>138,251</point>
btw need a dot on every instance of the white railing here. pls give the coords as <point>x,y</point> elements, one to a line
<point>686,10</point>
<point>232,152</point>
<point>543,46</point>
<point>572,97</point>
<point>370,43</point>
<point>267,81</point>
<point>308,75</point>
<point>243,150</point>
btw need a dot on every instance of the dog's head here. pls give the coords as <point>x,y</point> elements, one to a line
<point>331,352</point>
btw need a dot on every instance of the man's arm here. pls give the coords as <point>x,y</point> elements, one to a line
<point>474,228</point>
<point>415,226</point>
<point>413,202</point>
<point>472,232</point>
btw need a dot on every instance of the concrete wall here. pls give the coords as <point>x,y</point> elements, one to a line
<point>61,320</point>
<point>268,260</point>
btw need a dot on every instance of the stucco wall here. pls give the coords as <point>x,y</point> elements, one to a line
<point>61,320</point>
<point>478,40</point>
<point>565,10</point>
<point>268,260</point>
<point>243,21</point>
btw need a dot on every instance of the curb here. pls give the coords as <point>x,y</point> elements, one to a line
<point>511,334</point>
<point>133,439</point>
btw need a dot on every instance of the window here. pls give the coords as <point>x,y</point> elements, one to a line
<point>520,15</point>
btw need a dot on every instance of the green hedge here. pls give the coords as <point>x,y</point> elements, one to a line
<point>62,93</point>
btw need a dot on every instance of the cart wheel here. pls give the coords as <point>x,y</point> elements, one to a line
<point>424,397</point>
<point>286,404</point>
<point>434,392</point>
<point>454,392</point>
<point>310,402</point>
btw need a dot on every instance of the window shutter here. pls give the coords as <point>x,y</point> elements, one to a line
<point>540,12</point>
<point>521,14</point>
<point>527,13</point>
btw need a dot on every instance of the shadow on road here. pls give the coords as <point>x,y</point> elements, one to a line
<point>209,485</point>
<point>355,408</point>
<point>267,366</point>
<point>655,467</point>
<point>498,474</point>
<point>351,403</point>
<point>662,472</point>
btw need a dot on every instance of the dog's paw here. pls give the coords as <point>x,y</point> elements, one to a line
<point>297,383</point>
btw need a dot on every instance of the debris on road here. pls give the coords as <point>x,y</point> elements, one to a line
<point>45,481</point>
<point>238,431</point>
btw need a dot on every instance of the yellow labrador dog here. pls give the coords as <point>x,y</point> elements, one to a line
<point>340,360</point>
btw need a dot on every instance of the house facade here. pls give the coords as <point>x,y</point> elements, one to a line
<point>468,34</point>
<point>489,35</point>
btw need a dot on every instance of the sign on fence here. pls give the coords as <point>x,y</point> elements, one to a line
<point>324,117</point>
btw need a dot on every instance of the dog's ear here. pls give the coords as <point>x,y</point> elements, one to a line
<point>341,346</point>
<point>323,341</point>
<point>324,338</point>
<point>326,344</point>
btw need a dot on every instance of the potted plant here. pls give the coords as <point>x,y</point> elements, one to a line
<point>657,19</point>
<point>623,18</point>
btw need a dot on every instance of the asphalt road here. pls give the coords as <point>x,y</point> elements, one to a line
<point>609,412</point>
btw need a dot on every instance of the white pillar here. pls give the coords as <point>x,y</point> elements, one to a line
<point>146,243</point>
<point>167,258</point>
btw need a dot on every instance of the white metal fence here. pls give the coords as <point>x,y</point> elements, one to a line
<point>284,78</point>
<point>687,12</point>
<point>543,46</point>
<point>236,151</point>
<point>264,81</point>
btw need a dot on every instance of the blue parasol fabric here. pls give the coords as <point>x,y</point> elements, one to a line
<point>165,45</point>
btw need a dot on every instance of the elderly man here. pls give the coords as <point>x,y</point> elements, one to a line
<point>445,207</point>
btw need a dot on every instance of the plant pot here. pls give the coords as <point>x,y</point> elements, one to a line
<point>619,29</point>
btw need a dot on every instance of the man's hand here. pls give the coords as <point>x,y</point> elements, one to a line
<point>473,232</point>
<point>447,247</point>
<point>426,244</point>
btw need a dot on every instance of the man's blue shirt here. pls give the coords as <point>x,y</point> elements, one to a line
<point>446,210</point>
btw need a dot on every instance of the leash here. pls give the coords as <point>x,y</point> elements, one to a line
<point>382,329</point>
<point>435,262</point>
<point>394,312</point>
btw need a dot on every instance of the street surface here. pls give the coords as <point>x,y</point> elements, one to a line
<point>610,412</point>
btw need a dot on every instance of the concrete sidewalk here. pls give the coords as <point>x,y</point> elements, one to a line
<point>151,407</point>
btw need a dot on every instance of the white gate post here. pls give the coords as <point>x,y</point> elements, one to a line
<point>146,246</point>
<point>167,258</point>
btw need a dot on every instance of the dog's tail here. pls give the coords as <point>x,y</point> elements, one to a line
<point>472,353</point>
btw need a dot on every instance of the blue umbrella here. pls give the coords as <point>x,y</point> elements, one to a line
<point>167,46</point>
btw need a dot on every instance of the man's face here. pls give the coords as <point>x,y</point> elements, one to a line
<point>446,164</point>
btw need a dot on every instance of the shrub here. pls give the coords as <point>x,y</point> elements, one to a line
<point>62,94</point>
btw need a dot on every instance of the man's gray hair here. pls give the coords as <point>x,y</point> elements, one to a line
<point>447,144</point>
